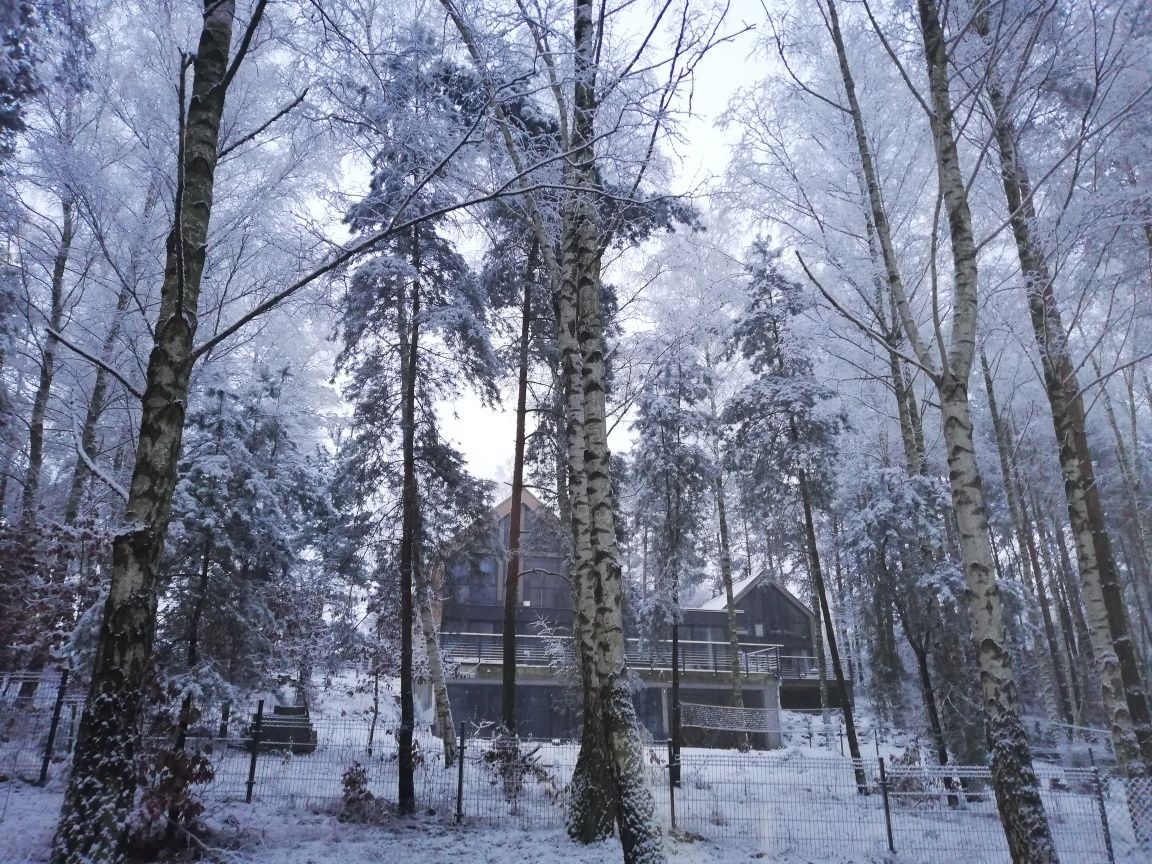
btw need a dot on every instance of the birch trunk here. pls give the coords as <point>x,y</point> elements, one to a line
<point>1122,687</point>
<point>1017,789</point>
<point>103,781</point>
<point>96,400</point>
<point>30,496</point>
<point>593,809</point>
<point>635,805</point>
<point>1137,522</point>
<point>1031,573</point>
<point>445,726</point>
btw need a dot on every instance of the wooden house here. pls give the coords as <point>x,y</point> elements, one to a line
<point>775,632</point>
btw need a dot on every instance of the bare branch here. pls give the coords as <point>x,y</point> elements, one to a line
<point>97,471</point>
<point>245,44</point>
<point>96,361</point>
<point>263,126</point>
<point>864,328</point>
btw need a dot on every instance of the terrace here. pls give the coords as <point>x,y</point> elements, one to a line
<point>695,656</point>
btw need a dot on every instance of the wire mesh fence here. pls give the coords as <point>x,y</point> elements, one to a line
<point>781,802</point>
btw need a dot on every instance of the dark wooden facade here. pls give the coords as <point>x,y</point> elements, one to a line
<point>775,631</point>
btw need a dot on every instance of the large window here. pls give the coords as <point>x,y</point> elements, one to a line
<point>545,590</point>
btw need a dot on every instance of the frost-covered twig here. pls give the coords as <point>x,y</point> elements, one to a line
<point>96,361</point>
<point>91,465</point>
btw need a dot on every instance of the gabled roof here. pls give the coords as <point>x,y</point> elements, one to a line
<point>740,590</point>
<point>528,500</point>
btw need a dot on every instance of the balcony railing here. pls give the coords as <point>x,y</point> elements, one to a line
<point>695,656</point>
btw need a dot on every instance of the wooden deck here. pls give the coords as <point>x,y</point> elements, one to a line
<point>695,656</point>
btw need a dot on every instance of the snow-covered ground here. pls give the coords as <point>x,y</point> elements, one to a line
<point>796,804</point>
<point>272,835</point>
<point>265,834</point>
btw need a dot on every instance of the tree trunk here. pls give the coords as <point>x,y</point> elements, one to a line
<point>96,406</point>
<point>103,782</point>
<point>830,631</point>
<point>87,441</point>
<point>1122,686</point>
<point>409,533</point>
<point>729,601</point>
<point>635,805</point>
<point>512,574</point>
<point>1138,526</point>
<point>1070,694</point>
<point>1030,570</point>
<point>30,495</point>
<point>1017,788</point>
<point>743,742</point>
<point>593,806</point>
<point>192,642</point>
<point>445,726</point>
<point>930,706</point>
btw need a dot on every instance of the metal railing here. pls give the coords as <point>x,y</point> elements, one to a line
<point>695,655</point>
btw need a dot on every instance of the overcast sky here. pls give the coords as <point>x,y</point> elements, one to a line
<point>486,436</point>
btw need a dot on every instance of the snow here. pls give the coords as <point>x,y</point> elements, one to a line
<point>720,602</point>
<point>266,835</point>
<point>791,805</point>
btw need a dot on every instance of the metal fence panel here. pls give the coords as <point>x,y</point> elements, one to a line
<point>778,801</point>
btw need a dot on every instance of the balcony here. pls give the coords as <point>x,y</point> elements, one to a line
<point>695,656</point>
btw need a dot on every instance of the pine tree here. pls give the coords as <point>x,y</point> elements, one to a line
<point>673,475</point>
<point>417,294</point>
<point>789,421</point>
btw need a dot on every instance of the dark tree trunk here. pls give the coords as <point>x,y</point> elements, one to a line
<point>512,574</point>
<point>31,493</point>
<point>409,532</point>
<point>192,642</point>
<point>1068,688</point>
<point>830,632</point>
<point>103,782</point>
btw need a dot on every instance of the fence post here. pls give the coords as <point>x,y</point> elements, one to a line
<point>887,806</point>
<point>225,715</point>
<point>671,784</point>
<point>53,726</point>
<point>71,728</point>
<point>256,729</point>
<point>1099,787</point>
<point>460,775</point>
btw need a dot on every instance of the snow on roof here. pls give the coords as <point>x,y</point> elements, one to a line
<point>528,500</point>
<point>720,602</point>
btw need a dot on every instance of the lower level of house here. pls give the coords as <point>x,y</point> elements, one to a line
<point>550,707</point>
<point>548,710</point>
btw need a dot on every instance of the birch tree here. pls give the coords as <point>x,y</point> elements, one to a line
<point>102,788</point>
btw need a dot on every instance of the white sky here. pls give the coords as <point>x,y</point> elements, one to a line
<point>485,436</point>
